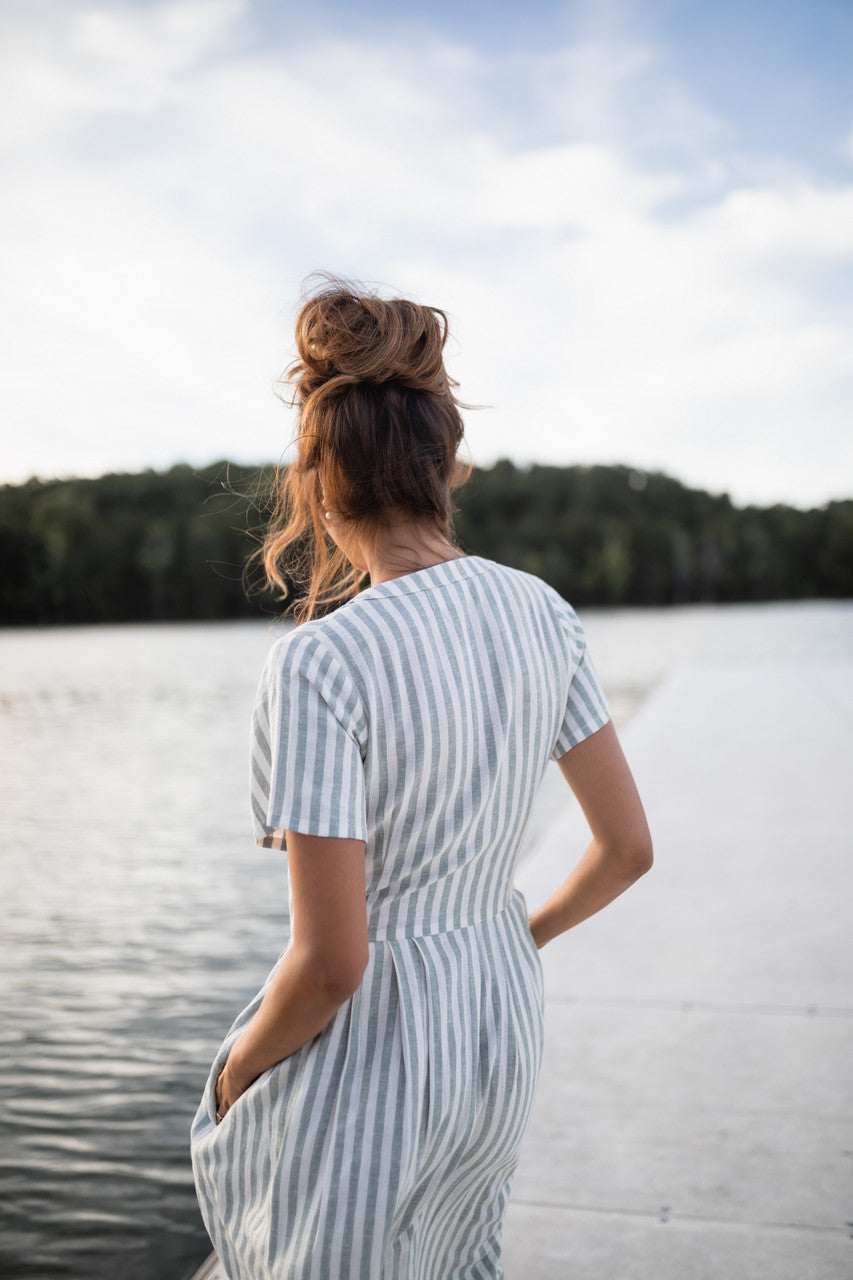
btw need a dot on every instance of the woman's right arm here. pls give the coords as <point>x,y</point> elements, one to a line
<point>621,848</point>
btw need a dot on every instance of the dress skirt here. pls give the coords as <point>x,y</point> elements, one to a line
<point>384,1148</point>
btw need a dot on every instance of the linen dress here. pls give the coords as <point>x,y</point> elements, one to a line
<point>419,717</point>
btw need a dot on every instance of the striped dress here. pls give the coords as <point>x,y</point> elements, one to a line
<point>420,717</point>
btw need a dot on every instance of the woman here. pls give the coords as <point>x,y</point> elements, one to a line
<point>363,1117</point>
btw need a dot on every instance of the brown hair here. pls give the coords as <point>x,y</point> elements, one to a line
<point>377,419</point>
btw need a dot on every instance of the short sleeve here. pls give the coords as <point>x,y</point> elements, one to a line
<point>586,708</point>
<point>307,769</point>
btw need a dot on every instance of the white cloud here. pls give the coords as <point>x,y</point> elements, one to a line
<point>174,180</point>
<point>62,63</point>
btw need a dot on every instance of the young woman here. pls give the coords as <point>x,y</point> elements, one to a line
<point>363,1116</point>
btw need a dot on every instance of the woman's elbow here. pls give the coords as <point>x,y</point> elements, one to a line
<point>632,854</point>
<point>340,976</point>
<point>639,855</point>
<point>343,985</point>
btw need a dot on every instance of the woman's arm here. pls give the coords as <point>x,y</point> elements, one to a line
<point>323,964</point>
<point>621,848</point>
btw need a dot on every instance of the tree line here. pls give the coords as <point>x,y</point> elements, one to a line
<point>174,545</point>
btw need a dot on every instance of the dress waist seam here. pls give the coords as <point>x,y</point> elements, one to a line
<point>400,933</point>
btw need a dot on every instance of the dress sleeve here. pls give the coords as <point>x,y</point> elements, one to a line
<point>586,708</point>
<point>307,768</point>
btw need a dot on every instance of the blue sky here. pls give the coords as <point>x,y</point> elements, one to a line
<point>638,215</point>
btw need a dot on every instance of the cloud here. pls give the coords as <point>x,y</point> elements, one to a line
<point>174,174</point>
<point>75,61</point>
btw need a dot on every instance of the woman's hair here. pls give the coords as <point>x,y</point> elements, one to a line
<point>377,419</point>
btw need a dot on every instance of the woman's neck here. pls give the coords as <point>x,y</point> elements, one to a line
<point>404,550</point>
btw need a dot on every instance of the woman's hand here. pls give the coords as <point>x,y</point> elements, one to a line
<point>228,1090</point>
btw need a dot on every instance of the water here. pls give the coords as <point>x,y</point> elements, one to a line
<point>139,917</point>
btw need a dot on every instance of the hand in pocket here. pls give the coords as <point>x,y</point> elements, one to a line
<point>227,1091</point>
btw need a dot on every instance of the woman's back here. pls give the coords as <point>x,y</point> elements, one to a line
<point>428,708</point>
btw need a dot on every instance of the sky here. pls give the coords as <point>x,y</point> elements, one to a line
<point>638,216</point>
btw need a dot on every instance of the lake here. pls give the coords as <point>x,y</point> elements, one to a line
<point>139,917</point>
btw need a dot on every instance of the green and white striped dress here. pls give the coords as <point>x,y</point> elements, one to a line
<point>418,717</point>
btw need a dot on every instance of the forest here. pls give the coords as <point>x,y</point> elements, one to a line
<point>173,545</point>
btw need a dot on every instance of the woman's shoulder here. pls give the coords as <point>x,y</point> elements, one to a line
<point>299,646</point>
<point>531,584</point>
<point>565,625</point>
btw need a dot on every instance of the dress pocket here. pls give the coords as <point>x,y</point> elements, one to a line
<point>256,1084</point>
<point>213,1075</point>
<point>243,1018</point>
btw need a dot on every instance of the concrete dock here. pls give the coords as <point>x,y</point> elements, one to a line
<point>692,1119</point>
<point>693,1116</point>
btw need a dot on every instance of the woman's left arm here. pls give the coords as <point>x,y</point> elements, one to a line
<point>322,967</point>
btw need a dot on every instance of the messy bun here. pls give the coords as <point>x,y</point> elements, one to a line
<point>344,338</point>
<point>377,418</point>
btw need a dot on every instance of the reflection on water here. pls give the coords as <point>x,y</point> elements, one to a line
<point>139,917</point>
